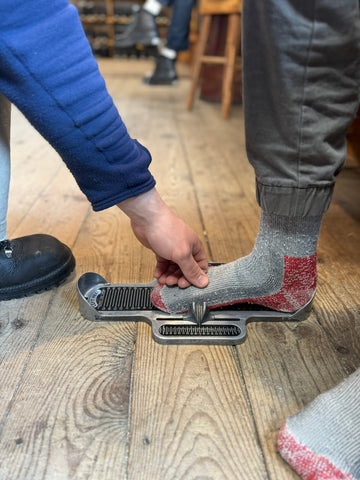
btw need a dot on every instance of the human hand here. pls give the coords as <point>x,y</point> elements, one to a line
<point>181,257</point>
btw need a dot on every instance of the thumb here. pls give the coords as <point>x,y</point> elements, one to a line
<point>193,273</point>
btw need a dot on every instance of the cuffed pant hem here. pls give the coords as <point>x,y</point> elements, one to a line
<point>294,202</point>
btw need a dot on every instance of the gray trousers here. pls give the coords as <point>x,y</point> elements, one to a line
<point>301,91</point>
<point>4,162</point>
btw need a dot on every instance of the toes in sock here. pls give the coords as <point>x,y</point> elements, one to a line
<point>322,442</point>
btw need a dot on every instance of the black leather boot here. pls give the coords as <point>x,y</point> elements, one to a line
<point>142,31</point>
<point>32,264</point>
<point>164,73</point>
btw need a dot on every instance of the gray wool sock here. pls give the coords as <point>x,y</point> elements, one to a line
<point>323,440</point>
<point>279,273</point>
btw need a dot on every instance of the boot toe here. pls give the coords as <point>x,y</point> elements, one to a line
<point>32,264</point>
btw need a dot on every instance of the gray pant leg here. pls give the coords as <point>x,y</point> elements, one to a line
<point>301,92</point>
<point>4,162</point>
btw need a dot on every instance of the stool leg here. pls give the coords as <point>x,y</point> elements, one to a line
<point>200,51</point>
<point>231,52</point>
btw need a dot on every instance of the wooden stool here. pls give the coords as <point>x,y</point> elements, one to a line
<point>230,60</point>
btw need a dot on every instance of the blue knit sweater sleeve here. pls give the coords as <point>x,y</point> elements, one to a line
<point>48,71</point>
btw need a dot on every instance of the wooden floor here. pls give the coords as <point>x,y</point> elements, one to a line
<point>83,400</point>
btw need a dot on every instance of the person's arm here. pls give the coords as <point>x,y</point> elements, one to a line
<point>181,258</point>
<point>47,69</point>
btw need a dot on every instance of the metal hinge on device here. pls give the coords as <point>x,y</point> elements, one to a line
<point>103,301</point>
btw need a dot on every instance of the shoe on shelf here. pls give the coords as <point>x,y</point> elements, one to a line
<point>164,73</point>
<point>142,31</point>
<point>33,264</point>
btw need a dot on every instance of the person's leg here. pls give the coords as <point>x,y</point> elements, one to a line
<point>301,87</point>
<point>301,91</point>
<point>301,77</point>
<point>323,440</point>
<point>32,263</point>
<point>177,40</point>
<point>5,109</point>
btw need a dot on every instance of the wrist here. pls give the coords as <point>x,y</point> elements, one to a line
<point>144,208</point>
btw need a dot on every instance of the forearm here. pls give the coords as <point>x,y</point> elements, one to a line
<point>48,71</point>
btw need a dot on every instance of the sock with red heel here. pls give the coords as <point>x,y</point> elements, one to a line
<point>280,272</point>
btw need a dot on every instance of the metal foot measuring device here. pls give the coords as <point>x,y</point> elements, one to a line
<point>103,301</point>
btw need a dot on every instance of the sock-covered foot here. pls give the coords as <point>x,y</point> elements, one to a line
<point>280,272</point>
<point>323,440</point>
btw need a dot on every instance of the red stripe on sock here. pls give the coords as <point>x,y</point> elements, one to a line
<point>306,463</point>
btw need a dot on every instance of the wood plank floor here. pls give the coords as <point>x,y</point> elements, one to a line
<point>82,400</point>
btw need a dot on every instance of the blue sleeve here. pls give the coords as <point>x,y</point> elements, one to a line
<point>48,71</point>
